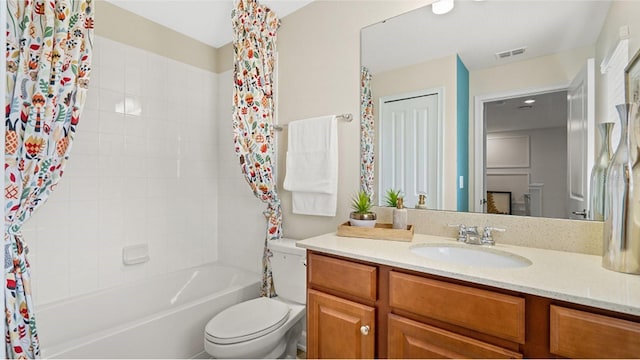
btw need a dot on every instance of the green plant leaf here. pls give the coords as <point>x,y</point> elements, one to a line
<point>391,198</point>
<point>361,203</point>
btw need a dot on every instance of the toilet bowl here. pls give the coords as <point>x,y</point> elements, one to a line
<point>265,327</point>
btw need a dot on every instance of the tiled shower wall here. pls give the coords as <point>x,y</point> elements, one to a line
<point>242,227</point>
<point>143,170</point>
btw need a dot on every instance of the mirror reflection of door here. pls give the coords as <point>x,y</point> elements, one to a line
<point>526,152</point>
<point>528,139</point>
<point>580,138</point>
<point>410,145</point>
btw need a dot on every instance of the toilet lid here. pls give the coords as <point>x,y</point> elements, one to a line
<point>246,321</point>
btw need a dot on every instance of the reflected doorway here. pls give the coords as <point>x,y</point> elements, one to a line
<point>525,142</point>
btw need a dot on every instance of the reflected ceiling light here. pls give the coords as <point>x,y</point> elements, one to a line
<point>529,101</point>
<point>442,6</point>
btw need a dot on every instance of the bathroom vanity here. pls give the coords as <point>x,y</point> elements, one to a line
<point>378,299</point>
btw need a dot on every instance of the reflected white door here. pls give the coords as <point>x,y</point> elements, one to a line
<point>410,147</point>
<point>580,140</point>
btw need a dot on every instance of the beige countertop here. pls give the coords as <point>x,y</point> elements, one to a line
<point>573,277</point>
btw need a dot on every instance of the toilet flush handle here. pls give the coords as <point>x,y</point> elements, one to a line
<point>364,329</point>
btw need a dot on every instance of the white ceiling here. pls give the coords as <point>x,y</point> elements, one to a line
<point>477,30</point>
<point>549,110</point>
<point>208,21</point>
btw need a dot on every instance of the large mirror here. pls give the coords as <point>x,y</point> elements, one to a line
<point>475,102</point>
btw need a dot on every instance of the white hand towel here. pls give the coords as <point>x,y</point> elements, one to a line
<point>312,166</point>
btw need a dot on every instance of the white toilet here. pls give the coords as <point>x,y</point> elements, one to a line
<point>265,327</point>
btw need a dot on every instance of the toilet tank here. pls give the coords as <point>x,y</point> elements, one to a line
<point>289,270</point>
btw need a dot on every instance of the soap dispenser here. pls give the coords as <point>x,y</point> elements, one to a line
<point>400,215</point>
<point>422,198</point>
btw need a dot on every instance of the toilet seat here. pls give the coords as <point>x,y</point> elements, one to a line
<point>246,321</point>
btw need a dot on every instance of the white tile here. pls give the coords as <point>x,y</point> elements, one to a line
<point>157,188</point>
<point>153,176</point>
<point>93,98</point>
<point>136,62</point>
<point>111,52</point>
<point>30,238</point>
<point>85,143</point>
<point>83,188</point>
<point>161,168</point>
<point>136,126</point>
<point>84,214</point>
<point>112,77</point>
<point>53,215</point>
<point>110,187</point>
<point>155,108</point>
<point>157,207</point>
<point>53,270</point>
<point>83,249</point>
<point>111,101</point>
<point>157,67</point>
<point>111,123</point>
<point>158,252</point>
<point>109,264</point>
<point>111,144</point>
<point>61,189</point>
<point>135,146</point>
<point>88,120</point>
<point>87,165</point>
<point>158,128</point>
<point>97,49</point>
<point>164,148</point>
<point>137,167</point>
<point>135,188</point>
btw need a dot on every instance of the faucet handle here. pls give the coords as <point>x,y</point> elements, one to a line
<point>462,231</point>
<point>487,238</point>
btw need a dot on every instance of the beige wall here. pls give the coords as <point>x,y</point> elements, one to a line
<point>439,73</point>
<point>125,27</point>
<point>319,73</point>
<point>621,13</point>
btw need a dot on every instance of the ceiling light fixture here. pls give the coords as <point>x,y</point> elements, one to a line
<point>442,6</point>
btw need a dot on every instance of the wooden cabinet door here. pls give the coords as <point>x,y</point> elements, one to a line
<point>337,328</point>
<point>580,334</point>
<point>408,339</point>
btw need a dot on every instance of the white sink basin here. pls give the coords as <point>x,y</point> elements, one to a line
<point>470,255</point>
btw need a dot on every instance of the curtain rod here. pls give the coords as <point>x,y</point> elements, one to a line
<point>343,117</point>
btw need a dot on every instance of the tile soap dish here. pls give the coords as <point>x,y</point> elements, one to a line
<point>379,232</point>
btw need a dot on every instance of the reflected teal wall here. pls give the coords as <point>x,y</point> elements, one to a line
<point>462,96</point>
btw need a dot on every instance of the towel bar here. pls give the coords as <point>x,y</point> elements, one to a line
<point>343,117</point>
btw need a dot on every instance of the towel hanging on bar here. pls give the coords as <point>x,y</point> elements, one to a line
<point>312,166</point>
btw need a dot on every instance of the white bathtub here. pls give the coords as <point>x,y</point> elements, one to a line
<point>161,317</point>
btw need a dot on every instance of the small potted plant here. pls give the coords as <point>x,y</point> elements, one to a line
<point>391,199</point>
<point>362,215</point>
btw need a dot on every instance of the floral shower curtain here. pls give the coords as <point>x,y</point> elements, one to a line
<point>254,44</point>
<point>367,133</point>
<point>49,49</point>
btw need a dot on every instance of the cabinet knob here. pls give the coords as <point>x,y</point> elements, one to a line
<point>364,329</point>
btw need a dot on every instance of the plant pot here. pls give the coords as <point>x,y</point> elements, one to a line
<point>362,220</point>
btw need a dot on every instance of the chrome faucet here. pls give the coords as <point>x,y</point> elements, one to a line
<point>471,234</point>
<point>462,232</point>
<point>487,238</point>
